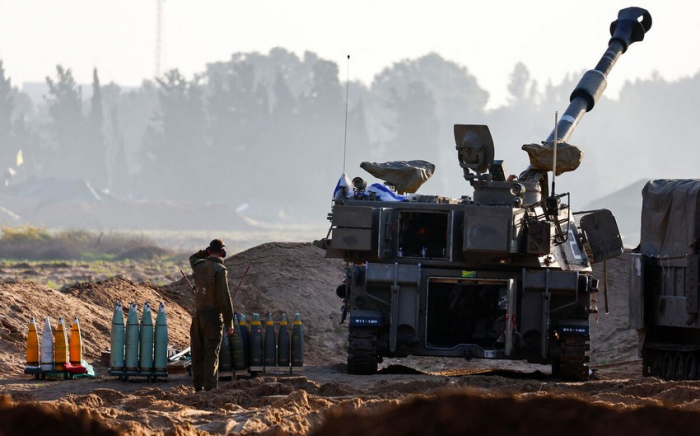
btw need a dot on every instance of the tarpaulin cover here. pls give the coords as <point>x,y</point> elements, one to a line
<point>569,156</point>
<point>670,217</point>
<point>406,176</point>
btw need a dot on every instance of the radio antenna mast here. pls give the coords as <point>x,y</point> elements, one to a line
<point>554,164</point>
<point>347,88</point>
<point>159,34</point>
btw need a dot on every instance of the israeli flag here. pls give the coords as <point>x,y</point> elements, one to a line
<point>342,189</point>
<point>385,194</point>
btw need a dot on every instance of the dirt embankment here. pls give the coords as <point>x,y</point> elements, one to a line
<point>410,396</point>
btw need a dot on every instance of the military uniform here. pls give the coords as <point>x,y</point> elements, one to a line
<point>214,311</point>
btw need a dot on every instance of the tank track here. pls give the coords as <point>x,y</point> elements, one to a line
<point>671,362</point>
<point>572,364</point>
<point>362,351</point>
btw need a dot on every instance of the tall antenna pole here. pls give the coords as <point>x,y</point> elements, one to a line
<point>554,164</point>
<point>347,88</point>
<point>159,25</point>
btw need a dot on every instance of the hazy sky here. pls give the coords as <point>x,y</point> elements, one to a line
<point>552,38</point>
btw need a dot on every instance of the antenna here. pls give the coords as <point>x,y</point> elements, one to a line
<point>347,88</point>
<point>159,25</point>
<point>554,164</point>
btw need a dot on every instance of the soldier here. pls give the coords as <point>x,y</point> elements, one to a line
<point>214,310</point>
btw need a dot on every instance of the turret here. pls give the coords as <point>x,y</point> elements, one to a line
<point>475,145</point>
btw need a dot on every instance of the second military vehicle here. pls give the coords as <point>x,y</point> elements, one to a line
<point>502,274</point>
<point>664,298</point>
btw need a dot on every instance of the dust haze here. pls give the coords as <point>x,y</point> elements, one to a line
<point>262,139</point>
<point>250,150</point>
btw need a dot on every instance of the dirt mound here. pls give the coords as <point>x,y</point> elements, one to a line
<point>461,413</point>
<point>93,305</point>
<point>143,252</point>
<point>287,278</point>
<point>35,419</point>
<point>613,342</point>
<point>420,395</point>
<point>283,278</point>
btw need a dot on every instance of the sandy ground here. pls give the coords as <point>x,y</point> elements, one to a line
<point>324,399</point>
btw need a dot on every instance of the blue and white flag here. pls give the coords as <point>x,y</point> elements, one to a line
<point>385,194</point>
<point>342,189</point>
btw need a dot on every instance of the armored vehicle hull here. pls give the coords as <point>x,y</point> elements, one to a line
<point>462,280</point>
<point>665,280</point>
<point>502,274</point>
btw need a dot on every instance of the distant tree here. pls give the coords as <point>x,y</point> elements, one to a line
<point>276,121</point>
<point>522,88</point>
<point>324,91</point>
<point>647,132</point>
<point>32,147</point>
<point>20,144</point>
<point>415,127</point>
<point>137,109</point>
<point>282,118</point>
<point>121,176</point>
<point>285,104</point>
<point>457,94</point>
<point>177,157</point>
<point>285,122</point>
<point>238,110</point>
<point>96,146</point>
<point>8,149</point>
<point>266,66</point>
<point>556,95</point>
<point>522,120</point>
<point>456,97</point>
<point>322,126</point>
<point>68,129</point>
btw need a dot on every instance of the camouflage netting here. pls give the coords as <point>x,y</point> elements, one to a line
<point>569,156</point>
<point>406,176</point>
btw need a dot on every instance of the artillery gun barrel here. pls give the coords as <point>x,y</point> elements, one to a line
<point>630,27</point>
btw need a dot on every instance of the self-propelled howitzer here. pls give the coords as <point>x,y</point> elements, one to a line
<point>505,273</point>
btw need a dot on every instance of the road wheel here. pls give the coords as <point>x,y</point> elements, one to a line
<point>691,367</point>
<point>362,351</point>
<point>667,367</point>
<point>656,364</point>
<point>678,366</point>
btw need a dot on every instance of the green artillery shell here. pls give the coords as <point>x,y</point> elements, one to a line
<point>160,349</point>
<point>146,339</point>
<point>131,346</point>
<point>116,341</point>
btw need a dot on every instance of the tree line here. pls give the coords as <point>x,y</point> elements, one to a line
<point>268,131</point>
